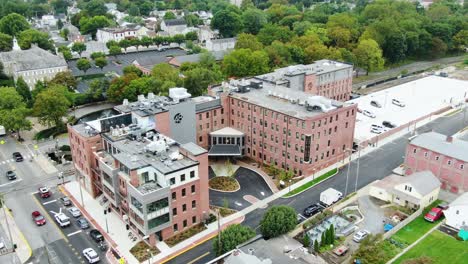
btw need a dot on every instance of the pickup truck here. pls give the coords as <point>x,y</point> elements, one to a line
<point>330,196</point>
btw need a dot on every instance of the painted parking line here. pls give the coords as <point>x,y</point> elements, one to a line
<point>74,233</point>
<point>53,201</point>
<point>199,257</point>
<point>8,183</point>
<point>50,219</point>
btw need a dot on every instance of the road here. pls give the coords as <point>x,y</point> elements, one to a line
<point>47,242</point>
<point>373,166</point>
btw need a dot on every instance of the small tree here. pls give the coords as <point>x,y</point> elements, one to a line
<point>101,62</point>
<point>83,65</point>
<point>125,43</point>
<point>229,168</point>
<point>316,246</point>
<point>306,241</point>
<point>115,50</point>
<point>78,47</point>
<point>332,234</point>
<point>98,54</point>
<point>278,220</point>
<point>323,241</point>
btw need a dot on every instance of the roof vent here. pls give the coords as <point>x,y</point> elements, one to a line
<point>178,94</point>
<point>125,102</point>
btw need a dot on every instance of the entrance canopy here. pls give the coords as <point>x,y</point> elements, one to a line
<point>224,150</point>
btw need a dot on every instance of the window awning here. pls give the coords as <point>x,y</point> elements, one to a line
<point>224,151</point>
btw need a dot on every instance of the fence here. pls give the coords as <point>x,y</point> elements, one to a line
<point>403,223</point>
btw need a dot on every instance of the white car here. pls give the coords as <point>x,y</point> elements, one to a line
<point>75,212</point>
<point>360,235</point>
<point>91,255</point>
<point>368,114</point>
<point>384,129</point>
<point>62,219</point>
<point>398,103</point>
<point>376,130</point>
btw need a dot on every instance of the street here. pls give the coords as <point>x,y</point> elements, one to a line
<point>48,243</point>
<point>373,166</point>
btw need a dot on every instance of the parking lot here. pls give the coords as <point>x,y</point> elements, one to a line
<point>421,97</point>
<point>76,238</point>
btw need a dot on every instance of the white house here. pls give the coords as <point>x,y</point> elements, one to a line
<point>205,33</point>
<point>457,214</point>
<point>48,21</point>
<point>34,64</point>
<point>105,35</point>
<point>220,44</point>
<point>174,26</point>
<point>416,190</point>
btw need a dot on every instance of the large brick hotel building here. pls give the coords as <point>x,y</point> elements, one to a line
<point>150,160</point>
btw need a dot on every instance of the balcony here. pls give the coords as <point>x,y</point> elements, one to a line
<point>106,163</point>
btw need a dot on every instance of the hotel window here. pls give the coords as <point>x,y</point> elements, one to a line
<point>174,195</point>
<point>414,150</point>
<point>425,154</point>
<point>200,117</point>
<point>222,111</point>
<point>184,223</point>
<point>194,219</point>
<point>207,114</point>
<point>346,125</point>
<point>192,188</point>
<point>183,192</point>
<point>175,228</point>
<point>194,204</point>
<point>174,211</point>
<point>449,162</point>
<point>462,166</point>
<point>200,139</point>
<point>172,181</point>
<point>437,158</point>
<point>184,207</point>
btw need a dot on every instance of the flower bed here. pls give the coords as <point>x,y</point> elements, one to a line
<point>223,211</point>
<point>222,183</point>
<point>140,251</point>
<point>174,240</point>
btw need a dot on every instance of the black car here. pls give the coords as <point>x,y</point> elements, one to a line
<point>96,235</point>
<point>388,124</point>
<point>17,156</point>
<point>312,210</point>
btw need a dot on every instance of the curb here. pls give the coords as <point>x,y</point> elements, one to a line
<point>331,176</point>
<point>91,219</point>
<point>20,234</point>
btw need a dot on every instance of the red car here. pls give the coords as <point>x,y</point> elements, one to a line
<point>434,214</point>
<point>38,218</point>
<point>44,192</point>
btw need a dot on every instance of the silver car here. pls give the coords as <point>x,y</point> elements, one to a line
<point>360,235</point>
<point>368,114</point>
<point>75,212</point>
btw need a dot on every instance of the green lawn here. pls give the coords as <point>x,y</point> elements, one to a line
<point>311,183</point>
<point>440,247</point>
<point>416,228</point>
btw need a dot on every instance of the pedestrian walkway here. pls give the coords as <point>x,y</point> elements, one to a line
<point>8,225</point>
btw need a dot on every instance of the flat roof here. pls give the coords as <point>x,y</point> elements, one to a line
<point>134,156</point>
<point>262,98</point>
<point>193,148</point>
<point>421,97</point>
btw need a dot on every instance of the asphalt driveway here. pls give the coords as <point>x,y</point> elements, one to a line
<point>251,184</point>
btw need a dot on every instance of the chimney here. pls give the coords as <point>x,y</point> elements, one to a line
<point>449,139</point>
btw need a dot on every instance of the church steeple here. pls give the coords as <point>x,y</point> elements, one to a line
<point>15,44</point>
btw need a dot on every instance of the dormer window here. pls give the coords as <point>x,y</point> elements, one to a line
<point>408,188</point>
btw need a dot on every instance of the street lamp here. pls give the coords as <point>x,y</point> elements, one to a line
<point>81,190</point>
<point>347,173</point>
<point>290,185</point>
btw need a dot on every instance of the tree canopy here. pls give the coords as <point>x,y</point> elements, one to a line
<point>278,220</point>
<point>231,237</point>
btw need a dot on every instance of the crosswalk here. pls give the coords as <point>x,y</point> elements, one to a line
<point>25,157</point>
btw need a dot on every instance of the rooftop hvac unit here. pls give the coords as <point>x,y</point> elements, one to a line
<point>318,103</point>
<point>141,98</point>
<point>178,94</point>
<point>125,102</point>
<point>158,146</point>
<point>150,96</point>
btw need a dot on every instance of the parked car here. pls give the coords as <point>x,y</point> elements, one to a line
<point>75,212</point>
<point>312,210</point>
<point>82,223</point>
<point>62,220</point>
<point>376,130</point>
<point>398,103</point>
<point>44,192</point>
<point>11,175</point>
<point>375,104</point>
<point>368,114</point>
<point>65,201</point>
<point>360,235</point>
<point>389,124</point>
<point>434,214</point>
<point>90,255</point>
<point>379,127</point>
<point>330,196</point>
<point>96,235</point>
<point>17,156</point>
<point>38,218</point>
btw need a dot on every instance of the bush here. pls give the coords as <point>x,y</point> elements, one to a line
<point>50,132</point>
<point>174,240</point>
<point>224,183</point>
<point>65,148</point>
<point>231,237</point>
<point>278,220</point>
<point>140,251</point>
<point>211,219</point>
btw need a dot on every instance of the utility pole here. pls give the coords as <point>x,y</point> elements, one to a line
<point>347,176</point>
<point>357,170</point>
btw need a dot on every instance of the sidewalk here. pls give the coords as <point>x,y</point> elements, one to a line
<point>23,250</point>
